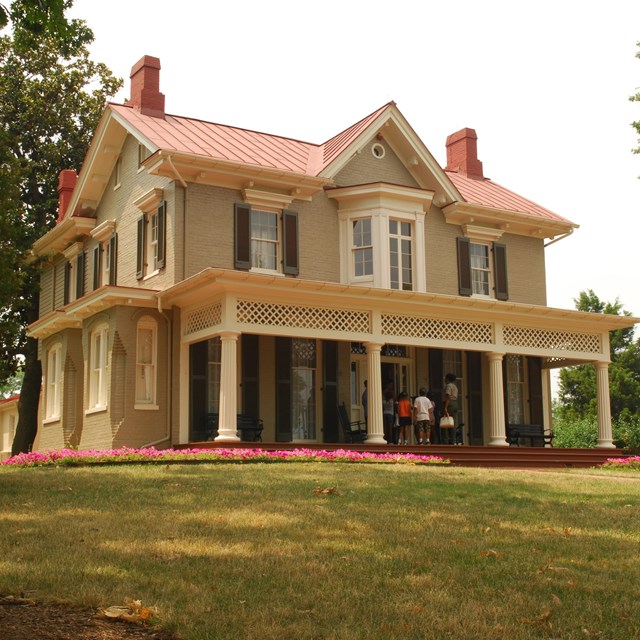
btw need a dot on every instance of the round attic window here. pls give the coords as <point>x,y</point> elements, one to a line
<point>378,150</point>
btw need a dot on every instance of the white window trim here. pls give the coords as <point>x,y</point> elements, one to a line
<point>52,403</point>
<point>485,296</point>
<point>98,377</point>
<point>146,322</point>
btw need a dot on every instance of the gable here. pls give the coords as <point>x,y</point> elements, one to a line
<point>365,166</point>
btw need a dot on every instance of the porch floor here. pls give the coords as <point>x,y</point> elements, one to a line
<point>465,456</point>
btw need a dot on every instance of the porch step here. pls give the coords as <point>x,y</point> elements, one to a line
<point>464,456</point>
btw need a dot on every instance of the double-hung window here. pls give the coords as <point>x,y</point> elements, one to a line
<point>152,229</point>
<point>266,240</point>
<point>146,354</point>
<point>362,248</point>
<point>54,374</point>
<point>105,254</point>
<point>98,367</point>
<point>482,269</point>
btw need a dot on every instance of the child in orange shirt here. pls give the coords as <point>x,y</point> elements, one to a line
<point>404,417</point>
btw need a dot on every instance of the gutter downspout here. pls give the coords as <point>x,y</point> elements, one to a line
<point>562,237</point>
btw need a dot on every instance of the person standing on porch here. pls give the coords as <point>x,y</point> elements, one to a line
<point>388,415</point>
<point>450,408</point>
<point>422,417</point>
<point>404,417</point>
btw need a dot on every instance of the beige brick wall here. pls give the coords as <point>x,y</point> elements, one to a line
<point>364,167</point>
<point>525,261</point>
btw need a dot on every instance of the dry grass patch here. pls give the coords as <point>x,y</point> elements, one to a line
<point>390,551</point>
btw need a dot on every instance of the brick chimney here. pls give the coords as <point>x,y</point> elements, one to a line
<point>145,87</point>
<point>462,153</point>
<point>66,184</point>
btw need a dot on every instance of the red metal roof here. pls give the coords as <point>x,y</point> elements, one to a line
<point>208,139</point>
<point>485,192</point>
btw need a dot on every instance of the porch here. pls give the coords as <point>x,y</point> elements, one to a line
<point>464,456</point>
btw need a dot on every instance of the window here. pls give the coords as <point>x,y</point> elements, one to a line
<point>480,269</point>
<point>98,368</point>
<point>266,240</point>
<point>303,389</point>
<point>117,173</point>
<point>143,154</point>
<point>400,259</point>
<point>146,354</point>
<point>478,273</point>
<point>74,276</point>
<point>54,372</point>
<point>152,230</point>
<point>105,254</point>
<point>362,248</point>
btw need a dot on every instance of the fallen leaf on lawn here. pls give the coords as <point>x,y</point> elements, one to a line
<point>555,599</point>
<point>545,613</point>
<point>490,553</point>
<point>131,611</point>
<point>326,490</point>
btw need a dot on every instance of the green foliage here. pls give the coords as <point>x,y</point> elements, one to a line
<point>51,98</point>
<point>578,384</point>
<point>636,98</point>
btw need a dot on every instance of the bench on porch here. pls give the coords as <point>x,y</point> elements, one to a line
<point>250,428</point>
<point>354,431</point>
<point>536,434</point>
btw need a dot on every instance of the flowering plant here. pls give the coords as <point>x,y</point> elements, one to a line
<point>632,463</point>
<point>70,457</point>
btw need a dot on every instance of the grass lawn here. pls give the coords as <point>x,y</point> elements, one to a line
<point>317,550</point>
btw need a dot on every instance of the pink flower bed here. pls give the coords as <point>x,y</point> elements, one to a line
<point>68,457</point>
<point>632,463</point>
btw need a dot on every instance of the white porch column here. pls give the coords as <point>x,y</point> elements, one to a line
<point>375,430</point>
<point>498,436</point>
<point>605,435</point>
<point>228,421</point>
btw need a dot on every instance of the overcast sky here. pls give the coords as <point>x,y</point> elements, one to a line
<point>545,85</point>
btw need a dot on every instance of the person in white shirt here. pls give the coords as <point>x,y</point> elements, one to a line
<point>422,417</point>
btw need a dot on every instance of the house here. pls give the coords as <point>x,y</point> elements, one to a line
<point>8,422</point>
<point>199,271</point>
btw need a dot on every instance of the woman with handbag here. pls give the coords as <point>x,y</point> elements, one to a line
<point>448,420</point>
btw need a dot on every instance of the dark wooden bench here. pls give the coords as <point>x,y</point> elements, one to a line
<point>536,434</point>
<point>250,428</point>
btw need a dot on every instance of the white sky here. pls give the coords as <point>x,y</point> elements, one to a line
<point>545,85</point>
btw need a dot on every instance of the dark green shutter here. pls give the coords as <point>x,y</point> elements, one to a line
<point>113,259</point>
<point>474,390</point>
<point>283,390</point>
<point>80,268</point>
<point>162,234</point>
<point>242,232</point>
<point>290,262</point>
<point>67,280</point>
<point>500,269</point>
<point>96,267</point>
<point>330,431</point>
<point>464,267</point>
<point>536,413</point>
<point>142,222</point>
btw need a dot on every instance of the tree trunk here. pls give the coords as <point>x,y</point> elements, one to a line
<point>27,426</point>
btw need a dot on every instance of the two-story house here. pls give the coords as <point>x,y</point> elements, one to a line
<point>199,269</point>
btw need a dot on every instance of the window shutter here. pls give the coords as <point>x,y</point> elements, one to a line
<point>80,266</point>
<point>113,259</point>
<point>96,267</point>
<point>162,234</point>
<point>500,268</point>
<point>290,243</point>
<point>67,278</point>
<point>242,236</point>
<point>464,267</point>
<point>140,250</point>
